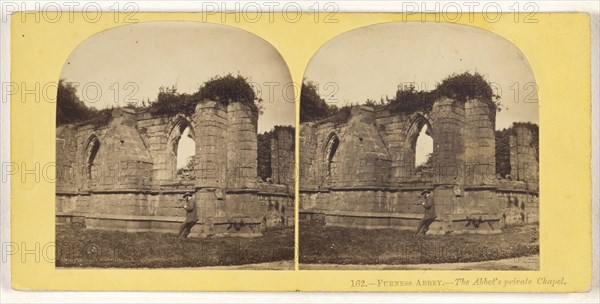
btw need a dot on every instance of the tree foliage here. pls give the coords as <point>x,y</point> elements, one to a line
<point>427,166</point>
<point>408,99</point>
<point>223,90</point>
<point>69,108</point>
<point>187,171</point>
<point>312,106</point>
<point>460,87</point>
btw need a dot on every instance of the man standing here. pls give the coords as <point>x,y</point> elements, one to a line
<point>191,218</point>
<point>430,214</point>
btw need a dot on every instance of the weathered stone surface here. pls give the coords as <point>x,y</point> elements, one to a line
<point>523,157</point>
<point>370,180</point>
<point>283,157</point>
<point>122,176</point>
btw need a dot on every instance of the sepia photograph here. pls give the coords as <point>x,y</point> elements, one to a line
<point>299,151</point>
<point>419,150</point>
<point>175,148</point>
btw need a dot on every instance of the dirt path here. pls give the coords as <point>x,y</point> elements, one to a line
<point>520,263</point>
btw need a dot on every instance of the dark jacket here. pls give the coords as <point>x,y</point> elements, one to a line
<point>429,208</point>
<point>190,208</point>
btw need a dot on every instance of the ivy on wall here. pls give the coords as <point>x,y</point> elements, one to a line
<point>223,90</point>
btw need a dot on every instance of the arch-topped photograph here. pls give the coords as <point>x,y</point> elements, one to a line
<point>429,145</point>
<point>165,135</point>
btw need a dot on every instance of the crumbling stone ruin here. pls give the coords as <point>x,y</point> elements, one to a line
<point>123,176</point>
<point>360,172</point>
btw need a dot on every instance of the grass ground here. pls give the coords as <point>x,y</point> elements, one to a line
<point>335,245</point>
<point>78,247</point>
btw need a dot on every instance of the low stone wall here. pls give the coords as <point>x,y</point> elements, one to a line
<point>240,213</point>
<point>371,208</point>
<point>483,210</point>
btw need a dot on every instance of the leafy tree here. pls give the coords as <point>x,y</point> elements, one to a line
<point>465,86</point>
<point>187,171</point>
<point>427,166</point>
<point>69,108</point>
<point>223,90</point>
<point>228,89</point>
<point>169,102</point>
<point>312,106</point>
<point>408,99</point>
<point>461,87</point>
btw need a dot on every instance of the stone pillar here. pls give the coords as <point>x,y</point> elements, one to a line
<point>282,156</point>
<point>241,147</point>
<point>449,141</point>
<point>211,126</point>
<point>308,156</point>
<point>523,156</point>
<point>210,131</point>
<point>66,159</point>
<point>448,122</point>
<point>480,142</point>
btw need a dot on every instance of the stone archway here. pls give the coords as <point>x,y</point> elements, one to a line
<point>180,124</point>
<point>329,154</point>
<point>414,130</point>
<point>91,151</point>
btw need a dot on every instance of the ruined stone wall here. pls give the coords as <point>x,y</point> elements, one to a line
<point>278,203</point>
<point>361,158</point>
<point>480,143</point>
<point>310,166</point>
<point>132,184</point>
<point>385,191</point>
<point>283,157</point>
<point>523,157</point>
<point>449,121</point>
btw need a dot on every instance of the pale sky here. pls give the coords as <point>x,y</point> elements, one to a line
<point>186,54</point>
<point>370,63</point>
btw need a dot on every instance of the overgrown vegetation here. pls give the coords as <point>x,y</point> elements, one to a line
<point>223,90</point>
<point>427,167</point>
<point>187,171</point>
<point>460,87</point>
<point>314,108</point>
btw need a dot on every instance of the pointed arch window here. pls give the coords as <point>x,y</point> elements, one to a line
<point>330,153</point>
<point>90,155</point>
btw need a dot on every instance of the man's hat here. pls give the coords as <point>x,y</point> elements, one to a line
<point>425,191</point>
<point>187,194</point>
